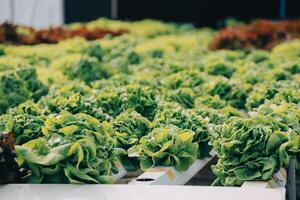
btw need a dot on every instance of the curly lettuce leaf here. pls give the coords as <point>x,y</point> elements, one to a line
<point>75,149</point>
<point>167,146</point>
<point>187,120</point>
<point>249,149</point>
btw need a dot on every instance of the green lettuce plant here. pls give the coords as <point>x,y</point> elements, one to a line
<point>24,121</point>
<point>184,96</point>
<point>17,86</point>
<point>127,129</point>
<point>166,146</point>
<point>234,93</point>
<point>75,149</point>
<point>141,99</point>
<point>250,149</point>
<point>187,120</point>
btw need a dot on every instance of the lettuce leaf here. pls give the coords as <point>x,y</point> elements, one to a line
<point>75,149</point>
<point>167,146</point>
<point>249,149</point>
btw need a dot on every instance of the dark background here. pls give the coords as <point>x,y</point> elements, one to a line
<point>199,12</point>
<point>86,10</point>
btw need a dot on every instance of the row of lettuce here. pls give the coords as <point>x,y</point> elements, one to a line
<point>147,98</point>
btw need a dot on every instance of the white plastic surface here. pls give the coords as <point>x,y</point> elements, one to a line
<point>122,172</point>
<point>255,184</point>
<point>279,179</point>
<point>134,192</point>
<point>169,175</point>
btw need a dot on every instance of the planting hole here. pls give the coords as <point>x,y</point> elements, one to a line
<point>145,179</point>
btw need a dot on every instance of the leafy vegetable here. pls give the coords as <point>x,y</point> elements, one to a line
<point>109,100</point>
<point>24,121</point>
<point>280,91</point>
<point>128,128</point>
<point>142,99</point>
<point>75,149</point>
<point>222,68</point>
<point>156,95</point>
<point>249,149</point>
<point>287,117</point>
<point>167,146</point>
<point>232,92</point>
<point>184,96</point>
<point>86,69</point>
<point>210,101</point>
<point>187,119</point>
<point>74,103</point>
<point>185,78</point>
<point>18,86</point>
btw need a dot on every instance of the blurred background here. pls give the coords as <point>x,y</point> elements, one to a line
<point>44,13</point>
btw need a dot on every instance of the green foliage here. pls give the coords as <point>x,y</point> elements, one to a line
<point>75,149</point>
<point>110,102</point>
<point>210,101</point>
<point>222,68</point>
<point>250,149</point>
<point>153,96</point>
<point>184,79</point>
<point>232,92</point>
<point>187,120</point>
<point>213,116</point>
<point>127,130</point>
<point>281,91</point>
<point>129,127</point>
<point>18,86</point>
<point>141,99</point>
<point>2,51</point>
<point>74,103</point>
<point>24,121</point>
<point>258,56</point>
<point>184,96</point>
<point>167,146</point>
<point>287,117</point>
<point>87,69</point>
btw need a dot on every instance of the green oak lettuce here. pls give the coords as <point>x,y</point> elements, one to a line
<point>184,96</point>
<point>110,102</point>
<point>87,69</point>
<point>233,92</point>
<point>75,149</point>
<point>140,98</point>
<point>186,78</point>
<point>287,117</point>
<point>24,121</point>
<point>74,103</point>
<point>187,120</point>
<point>127,129</point>
<point>210,101</point>
<point>166,146</point>
<point>280,91</point>
<point>19,85</point>
<point>250,149</point>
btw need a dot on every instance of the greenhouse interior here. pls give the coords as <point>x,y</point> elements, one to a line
<point>128,99</point>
